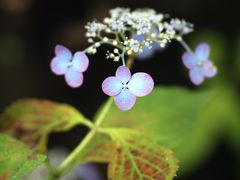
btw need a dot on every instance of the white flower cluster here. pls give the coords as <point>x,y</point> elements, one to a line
<point>121,28</point>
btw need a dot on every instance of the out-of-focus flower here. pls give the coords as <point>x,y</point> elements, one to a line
<point>181,26</point>
<point>86,171</point>
<point>147,51</point>
<point>125,87</point>
<point>199,64</point>
<point>71,66</point>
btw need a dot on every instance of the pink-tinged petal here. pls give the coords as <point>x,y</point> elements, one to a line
<point>59,66</point>
<point>63,52</point>
<point>80,61</point>
<point>189,59</point>
<point>123,74</point>
<point>202,51</point>
<point>208,69</point>
<point>125,100</point>
<point>74,78</point>
<point>141,84</point>
<point>196,76</point>
<point>111,86</point>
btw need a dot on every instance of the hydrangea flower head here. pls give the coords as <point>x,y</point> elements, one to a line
<point>125,87</point>
<point>120,28</point>
<point>71,66</point>
<point>198,63</point>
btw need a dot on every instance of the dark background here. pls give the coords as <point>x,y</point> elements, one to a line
<point>30,29</point>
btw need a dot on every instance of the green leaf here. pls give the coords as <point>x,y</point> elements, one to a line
<point>219,118</point>
<point>140,156</point>
<point>236,58</point>
<point>16,159</point>
<point>167,114</point>
<point>31,120</point>
<point>137,156</point>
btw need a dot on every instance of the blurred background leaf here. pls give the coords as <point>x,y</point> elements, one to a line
<point>167,114</point>
<point>16,159</point>
<point>236,58</point>
<point>31,120</point>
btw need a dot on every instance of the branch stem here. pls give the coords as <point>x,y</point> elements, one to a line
<point>69,163</point>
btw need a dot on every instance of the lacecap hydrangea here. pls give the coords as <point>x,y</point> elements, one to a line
<point>132,35</point>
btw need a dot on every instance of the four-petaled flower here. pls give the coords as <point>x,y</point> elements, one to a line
<point>72,66</point>
<point>125,87</point>
<point>199,64</point>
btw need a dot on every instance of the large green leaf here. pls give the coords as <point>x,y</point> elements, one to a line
<point>31,120</point>
<point>236,58</point>
<point>99,149</point>
<point>167,114</point>
<point>16,159</point>
<point>219,118</point>
<point>136,156</point>
<point>130,155</point>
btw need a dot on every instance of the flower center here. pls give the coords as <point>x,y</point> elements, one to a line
<point>124,85</point>
<point>199,63</point>
<point>70,64</point>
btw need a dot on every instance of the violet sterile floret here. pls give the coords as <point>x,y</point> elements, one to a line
<point>71,66</point>
<point>125,87</point>
<point>198,63</point>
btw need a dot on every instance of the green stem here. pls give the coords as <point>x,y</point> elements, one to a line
<point>68,164</point>
<point>184,44</point>
<point>103,112</point>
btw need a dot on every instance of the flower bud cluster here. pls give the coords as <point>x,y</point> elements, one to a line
<point>120,28</point>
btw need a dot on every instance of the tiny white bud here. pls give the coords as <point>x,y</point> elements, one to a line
<point>116,58</point>
<point>90,40</point>
<point>116,51</point>
<point>108,30</point>
<point>97,44</point>
<point>105,39</point>
<point>112,55</point>
<point>162,45</point>
<point>129,52</point>
<point>115,42</point>
<point>179,38</point>
<point>153,35</point>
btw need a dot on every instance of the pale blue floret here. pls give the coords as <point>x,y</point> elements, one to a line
<point>71,66</point>
<point>198,63</point>
<point>125,87</point>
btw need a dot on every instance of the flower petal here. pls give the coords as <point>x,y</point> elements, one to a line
<point>111,86</point>
<point>208,69</point>
<point>80,61</point>
<point>146,53</point>
<point>202,51</point>
<point>196,76</point>
<point>59,66</point>
<point>63,52</point>
<point>141,84</point>
<point>138,37</point>
<point>125,100</point>
<point>74,78</point>
<point>189,59</point>
<point>123,74</point>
